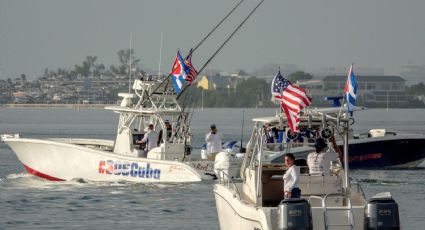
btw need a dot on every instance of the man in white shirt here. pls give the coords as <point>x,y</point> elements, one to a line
<point>213,139</point>
<point>291,178</point>
<point>151,138</point>
<point>319,162</point>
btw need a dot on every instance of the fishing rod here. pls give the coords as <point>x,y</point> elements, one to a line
<point>216,52</point>
<point>199,44</point>
<point>222,45</point>
<point>212,31</point>
<point>243,120</point>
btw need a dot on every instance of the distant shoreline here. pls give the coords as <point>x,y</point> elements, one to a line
<point>54,105</point>
<point>76,106</point>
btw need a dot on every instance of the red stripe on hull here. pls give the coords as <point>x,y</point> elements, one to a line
<point>42,175</point>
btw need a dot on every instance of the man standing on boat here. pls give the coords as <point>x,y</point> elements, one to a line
<point>213,139</point>
<point>151,138</point>
<point>291,178</point>
<point>319,162</point>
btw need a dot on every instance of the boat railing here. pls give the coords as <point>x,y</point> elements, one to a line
<point>358,188</point>
<point>226,180</point>
<point>326,209</point>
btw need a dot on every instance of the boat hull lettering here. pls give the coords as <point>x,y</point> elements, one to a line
<point>132,169</point>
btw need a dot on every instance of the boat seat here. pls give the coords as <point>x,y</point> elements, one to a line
<point>319,185</point>
<point>272,184</point>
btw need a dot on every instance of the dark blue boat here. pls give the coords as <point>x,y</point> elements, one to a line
<point>376,149</point>
<point>389,151</point>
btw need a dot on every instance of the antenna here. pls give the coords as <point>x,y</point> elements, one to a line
<point>129,71</point>
<point>160,56</point>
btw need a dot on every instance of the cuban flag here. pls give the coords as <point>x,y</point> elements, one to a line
<point>351,90</point>
<point>179,72</point>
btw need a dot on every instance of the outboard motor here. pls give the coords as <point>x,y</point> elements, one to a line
<point>222,162</point>
<point>294,214</point>
<point>381,213</point>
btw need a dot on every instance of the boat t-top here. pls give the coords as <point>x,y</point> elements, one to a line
<point>126,158</point>
<point>256,199</point>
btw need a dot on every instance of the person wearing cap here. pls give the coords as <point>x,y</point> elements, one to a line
<point>213,139</point>
<point>169,132</point>
<point>151,138</point>
<point>319,161</point>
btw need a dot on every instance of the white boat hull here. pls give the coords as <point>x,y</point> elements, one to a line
<point>54,160</point>
<point>233,214</point>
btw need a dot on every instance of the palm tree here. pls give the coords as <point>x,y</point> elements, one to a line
<point>124,58</point>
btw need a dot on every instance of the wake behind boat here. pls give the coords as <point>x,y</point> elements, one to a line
<point>126,158</point>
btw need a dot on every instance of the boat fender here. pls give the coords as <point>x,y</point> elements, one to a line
<point>294,214</point>
<point>381,213</point>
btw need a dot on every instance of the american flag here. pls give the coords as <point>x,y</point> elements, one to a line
<point>292,99</point>
<point>351,90</point>
<point>192,73</point>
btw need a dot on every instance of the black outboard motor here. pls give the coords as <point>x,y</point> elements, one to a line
<point>382,214</point>
<point>294,214</point>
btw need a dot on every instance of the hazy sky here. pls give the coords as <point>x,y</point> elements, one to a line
<point>310,34</point>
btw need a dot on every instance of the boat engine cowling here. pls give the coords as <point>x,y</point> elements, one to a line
<point>222,163</point>
<point>294,214</point>
<point>381,213</point>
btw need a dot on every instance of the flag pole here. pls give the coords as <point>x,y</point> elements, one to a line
<point>202,102</point>
<point>160,55</point>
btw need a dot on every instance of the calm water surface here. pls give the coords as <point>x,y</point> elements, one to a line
<point>27,202</point>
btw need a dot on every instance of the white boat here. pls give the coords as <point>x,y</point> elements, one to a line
<point>123,159</point>
<point>256,200</point>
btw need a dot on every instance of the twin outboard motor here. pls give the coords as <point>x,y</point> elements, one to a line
<point>294,214</point>
<point>382,214</point>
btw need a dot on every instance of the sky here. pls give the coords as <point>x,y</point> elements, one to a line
<point>311,34</point>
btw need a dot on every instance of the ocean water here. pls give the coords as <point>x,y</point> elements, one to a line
<point>27,202</point>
